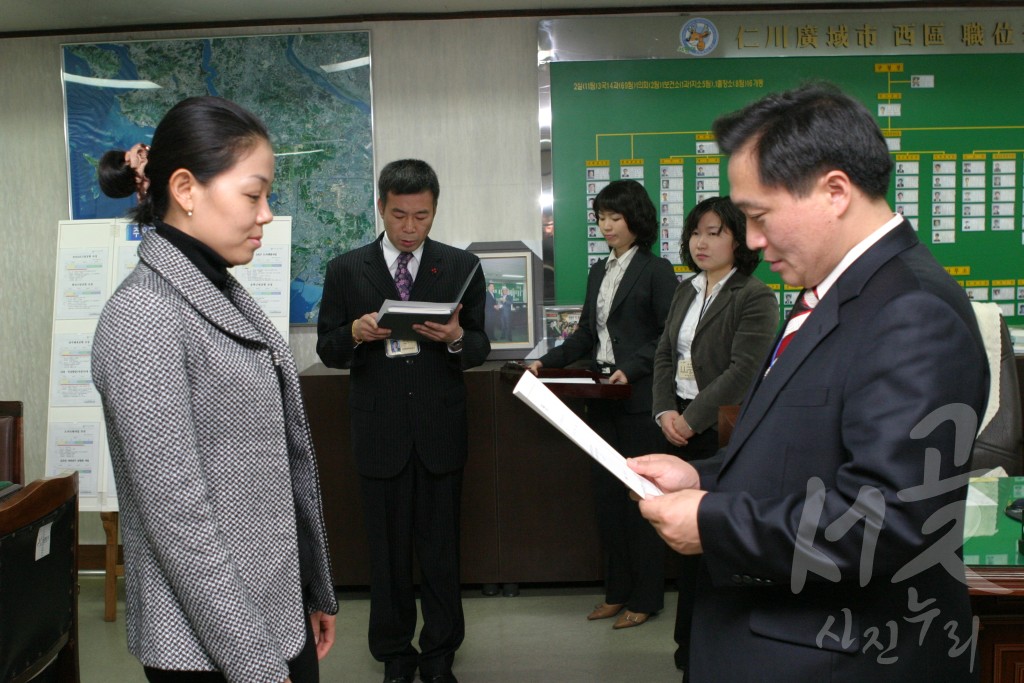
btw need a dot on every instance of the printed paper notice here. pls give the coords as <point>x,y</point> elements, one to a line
<point>71,371</point>
<point>82,277</point>
<point>75,446</point>
<point>267,279</point>
<point>532,391</point>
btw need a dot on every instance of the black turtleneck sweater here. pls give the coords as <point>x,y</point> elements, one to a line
<point>210,263</point>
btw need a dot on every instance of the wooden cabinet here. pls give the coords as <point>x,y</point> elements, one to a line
<point>527,514</point>
<point>1000,644</point>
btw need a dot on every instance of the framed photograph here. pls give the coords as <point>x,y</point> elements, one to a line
<point>559,323</point>
<point>511,307</point>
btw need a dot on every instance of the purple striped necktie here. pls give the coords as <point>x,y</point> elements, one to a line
<point>403,278</point>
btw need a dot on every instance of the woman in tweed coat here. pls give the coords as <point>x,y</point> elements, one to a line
<point>227,576</point>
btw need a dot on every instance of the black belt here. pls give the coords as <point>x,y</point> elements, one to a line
<point>682,403</point>
<point>603,368</point>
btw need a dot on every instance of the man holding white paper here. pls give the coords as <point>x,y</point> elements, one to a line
<point>834,518</point>
<point>408,409</point>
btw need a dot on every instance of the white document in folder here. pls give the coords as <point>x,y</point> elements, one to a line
<point>533,393</point>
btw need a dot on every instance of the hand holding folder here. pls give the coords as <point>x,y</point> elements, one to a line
<point>400,316</point>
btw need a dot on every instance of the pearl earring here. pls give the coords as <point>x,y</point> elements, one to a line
<point>189,212</point>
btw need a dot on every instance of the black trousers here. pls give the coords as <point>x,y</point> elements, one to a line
<point>634,553</point>
<point>701,446</point>
<point>305,668</point>
<point>414,511</point>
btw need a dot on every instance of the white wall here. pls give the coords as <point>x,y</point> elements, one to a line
<point>461,94</point>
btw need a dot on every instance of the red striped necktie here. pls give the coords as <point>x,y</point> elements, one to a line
<point>804,305</point>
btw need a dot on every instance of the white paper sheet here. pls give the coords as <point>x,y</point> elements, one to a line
<point>533,393</point>
<point>82,278</point>
<point>75,446</point>
<point>567,380</point>
<point>71,371</point>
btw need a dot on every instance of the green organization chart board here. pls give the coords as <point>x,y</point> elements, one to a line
<point>955,124</point>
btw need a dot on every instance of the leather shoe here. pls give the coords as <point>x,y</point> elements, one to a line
<point>439,678</point>
<point>630,619</point>
<point>409,678</point>
<point>604,611</point>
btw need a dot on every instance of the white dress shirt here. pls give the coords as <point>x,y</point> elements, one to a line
<point>614,269</point>
<point>687,388</point>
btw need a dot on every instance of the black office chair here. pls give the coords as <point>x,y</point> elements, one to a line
<point>39,582</point>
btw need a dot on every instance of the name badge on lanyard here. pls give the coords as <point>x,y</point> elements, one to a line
<point>685,369</point>
<point>399,348</point>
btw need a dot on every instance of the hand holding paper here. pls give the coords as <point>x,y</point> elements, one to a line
<point>532,391</point>
<point>674,515</point>
<point>668,472</point>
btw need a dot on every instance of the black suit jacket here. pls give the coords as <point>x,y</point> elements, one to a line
<point>398,404</point>
<point>871,411</point>
<point>635,323</point>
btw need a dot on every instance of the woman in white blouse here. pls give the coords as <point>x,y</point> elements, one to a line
<point>628,295</point>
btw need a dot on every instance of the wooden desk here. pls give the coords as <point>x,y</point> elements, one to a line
<point>527,512</point>
<point>593,385</point>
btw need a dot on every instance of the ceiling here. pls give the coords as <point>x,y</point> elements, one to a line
<point>30,17</point>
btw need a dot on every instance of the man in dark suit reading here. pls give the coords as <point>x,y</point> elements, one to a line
<point>408,411</point>
<point>830,527</point>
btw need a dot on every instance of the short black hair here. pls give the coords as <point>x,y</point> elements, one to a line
<point>629,198</point>
<point>204,135</point>
<point>116,177</point>
<point>799,134</point>
<point>745,259</point>
<point>407,176</point>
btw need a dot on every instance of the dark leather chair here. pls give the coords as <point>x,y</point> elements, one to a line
<point>39,581</point>
<point>12,456</point>
<point>1001,441</point>
<point>726,421</point>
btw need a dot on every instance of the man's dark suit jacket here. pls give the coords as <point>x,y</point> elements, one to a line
<point>843,417</point>
<point>729,344</point>
<point>635,322</point>
<point>419,401</point>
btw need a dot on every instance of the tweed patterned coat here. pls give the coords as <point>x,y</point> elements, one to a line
<point>213,473</point>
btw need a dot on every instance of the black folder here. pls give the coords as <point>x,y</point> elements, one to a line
<point>400,316</point>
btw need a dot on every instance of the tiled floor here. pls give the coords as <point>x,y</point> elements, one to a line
<point>541,636</point>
